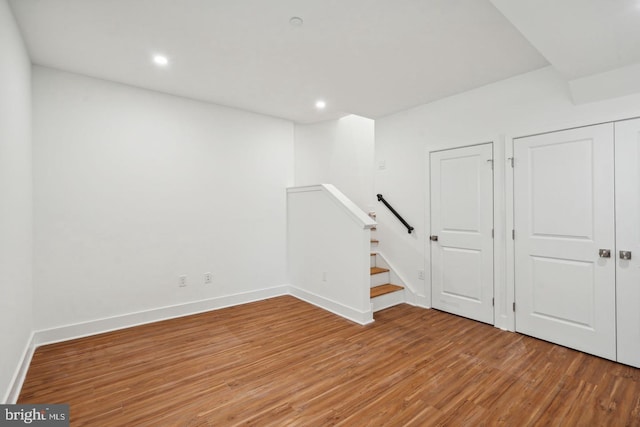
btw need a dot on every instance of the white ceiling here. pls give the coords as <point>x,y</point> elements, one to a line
<point>579,37</point>
<point>365,57</point>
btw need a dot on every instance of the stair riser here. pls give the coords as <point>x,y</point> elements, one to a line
<point>373,260</point>
<point>379,279</point>
<point>387,300</point>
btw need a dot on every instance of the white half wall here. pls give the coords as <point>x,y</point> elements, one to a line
<point>16,210</point>
<point>328,251</point>
<point>535,102</point>
<point>339,152</point>
<point>135,188</point>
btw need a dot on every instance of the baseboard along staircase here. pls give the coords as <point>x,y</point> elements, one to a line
<point>383,292</point>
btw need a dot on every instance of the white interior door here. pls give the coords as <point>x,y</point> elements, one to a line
<point>563,216</point>
<point>628,239</point>
<point>462,220</point>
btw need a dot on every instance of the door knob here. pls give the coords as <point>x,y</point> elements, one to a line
<point>433,238</point>
<point>625,254</point>
<point>604,253</point>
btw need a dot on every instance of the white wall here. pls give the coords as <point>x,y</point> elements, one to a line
<point>534,102</point>
<point>134,188</point>
<point>15,201</point>
<point>338,152</point>
<point>328,255</point>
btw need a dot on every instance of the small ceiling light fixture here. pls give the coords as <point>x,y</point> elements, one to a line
<point>296,21</point>
<point>320,104</point>
<point>160,60</point>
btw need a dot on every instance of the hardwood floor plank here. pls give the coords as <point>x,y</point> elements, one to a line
<point>284,362</point>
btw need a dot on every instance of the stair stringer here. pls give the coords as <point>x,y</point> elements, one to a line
<point>411,296</point>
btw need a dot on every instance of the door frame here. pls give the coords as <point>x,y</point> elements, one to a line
<point>510,318</point>
<point>510,245</point>
<point>597,334</point>
<point>503,318</point>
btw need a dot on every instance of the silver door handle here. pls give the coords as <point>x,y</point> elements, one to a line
<point>604,253</point>
<point>625,254</point>
<point>433,238</point>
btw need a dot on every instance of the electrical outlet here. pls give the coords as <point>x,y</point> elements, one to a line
<point>208,278</point>
<point>182,281</point>
<point>420,274</point>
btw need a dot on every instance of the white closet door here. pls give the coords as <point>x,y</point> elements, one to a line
<point>462,220</point>
<point>563,217</point>
<point>628,239</point>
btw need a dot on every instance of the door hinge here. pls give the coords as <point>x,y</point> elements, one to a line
<point>514,307</point>
<point>492,235</point>
<point>493,302</point>
<point>513,234</point>
<point>490,161</point>
<point>511,160</point>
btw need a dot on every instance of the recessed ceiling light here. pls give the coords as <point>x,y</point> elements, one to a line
<point>296,21</point>
<point>160,60</point>
<point>320,104</point>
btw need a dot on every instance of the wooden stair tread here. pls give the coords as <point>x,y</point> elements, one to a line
<point>384,289</point>
<point>375,241</point>
<point>378,270</point>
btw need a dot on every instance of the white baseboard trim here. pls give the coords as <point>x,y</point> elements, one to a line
<point>94,327</point>
<point>21,372</point>
<point>80,330</point>
<point>360,317</point>
<point>418,301</point>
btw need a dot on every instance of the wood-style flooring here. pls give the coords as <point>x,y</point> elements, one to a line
<point>377,291</point>
<point>284,362</point>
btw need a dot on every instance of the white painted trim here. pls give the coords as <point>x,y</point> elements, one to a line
<point>357,214</point>
<point>80,330</point>
<point>426,210</point>
<point>419,301</point>
<point>362,318</point>
<point>21,372</point>
<point>510,282</point>
<point>501,168</point>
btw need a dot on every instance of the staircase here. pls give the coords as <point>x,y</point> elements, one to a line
<point>383,293</point>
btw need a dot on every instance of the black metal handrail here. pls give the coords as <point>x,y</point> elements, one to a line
<point>393,211</point>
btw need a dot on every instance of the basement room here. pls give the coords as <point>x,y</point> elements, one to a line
<point>312,213</point>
